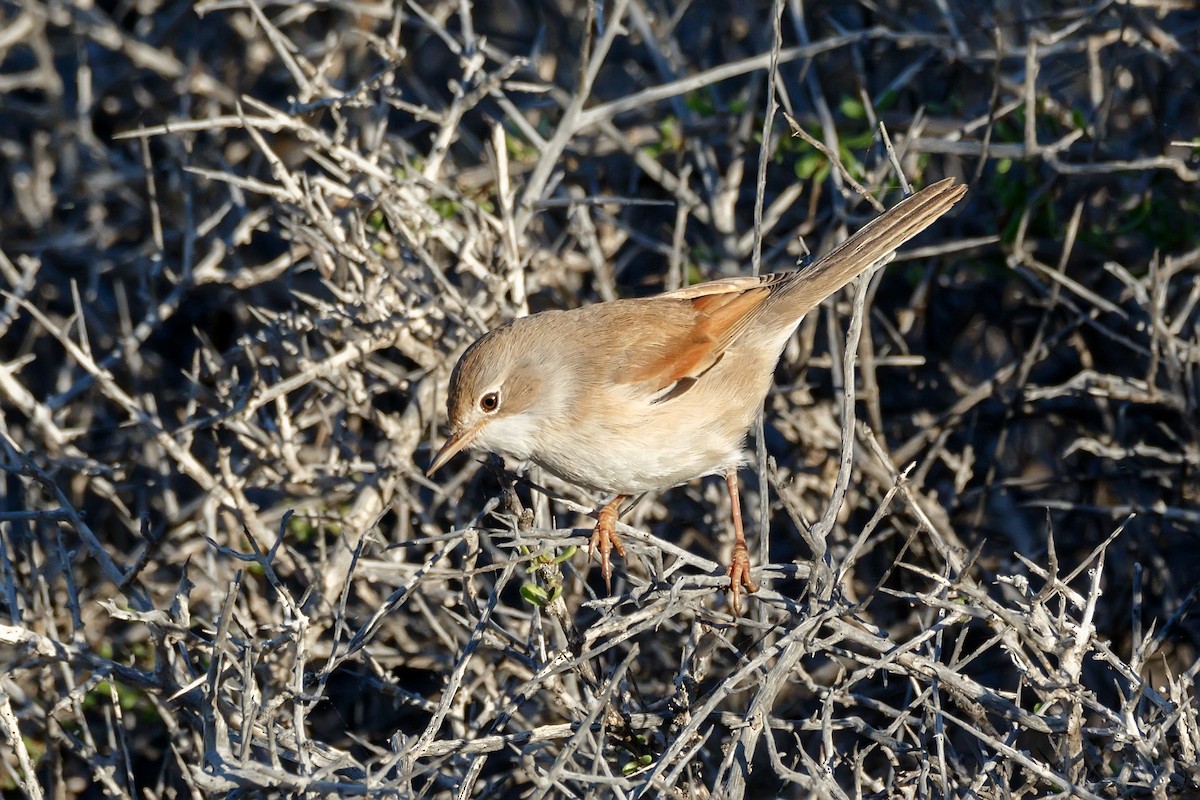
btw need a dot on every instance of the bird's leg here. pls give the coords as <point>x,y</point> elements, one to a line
<point>605,538</point>
<point>739,565</point>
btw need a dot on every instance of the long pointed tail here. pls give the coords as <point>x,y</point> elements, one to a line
<point>875,241</point>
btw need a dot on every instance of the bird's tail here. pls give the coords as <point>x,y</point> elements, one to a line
<point>877,240</point>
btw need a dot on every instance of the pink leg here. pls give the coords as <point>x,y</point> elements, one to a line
<point>739,567</point>
<point>605,538</point>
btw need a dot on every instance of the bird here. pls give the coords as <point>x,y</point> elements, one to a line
<point>641,394</point>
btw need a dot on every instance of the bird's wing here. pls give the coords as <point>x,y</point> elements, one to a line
<point>728,286</point>
<point>682,334</point>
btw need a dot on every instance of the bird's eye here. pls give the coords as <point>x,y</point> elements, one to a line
<point>490,402</point>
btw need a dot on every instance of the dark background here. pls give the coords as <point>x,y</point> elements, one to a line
<point>242,244</point>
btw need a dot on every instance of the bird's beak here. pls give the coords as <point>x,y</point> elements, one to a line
<point>459,440</point>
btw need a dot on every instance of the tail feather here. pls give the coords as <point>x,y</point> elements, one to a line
<point>873,243</point>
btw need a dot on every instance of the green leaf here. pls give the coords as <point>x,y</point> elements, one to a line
<point>808,166</point>
<point>852,108</point>
<point>534,594</point>
<point>565,554</point>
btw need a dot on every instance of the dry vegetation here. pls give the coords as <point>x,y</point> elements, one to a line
<point>242,242</point>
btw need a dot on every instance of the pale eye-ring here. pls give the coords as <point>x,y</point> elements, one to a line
<point>490,402</point>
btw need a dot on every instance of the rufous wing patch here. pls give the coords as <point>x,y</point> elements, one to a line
<point>716,321</point>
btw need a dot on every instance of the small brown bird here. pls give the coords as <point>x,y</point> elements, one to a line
<point>632,395</point>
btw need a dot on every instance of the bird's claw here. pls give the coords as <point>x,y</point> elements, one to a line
<point>605,539</point>
<point>739,576</point>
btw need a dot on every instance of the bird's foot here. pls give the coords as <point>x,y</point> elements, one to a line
<point>605,539</point>
<point>739,576</point>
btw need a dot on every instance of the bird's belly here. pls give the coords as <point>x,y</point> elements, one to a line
<point>612,468</point>
<point>632,458</point>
